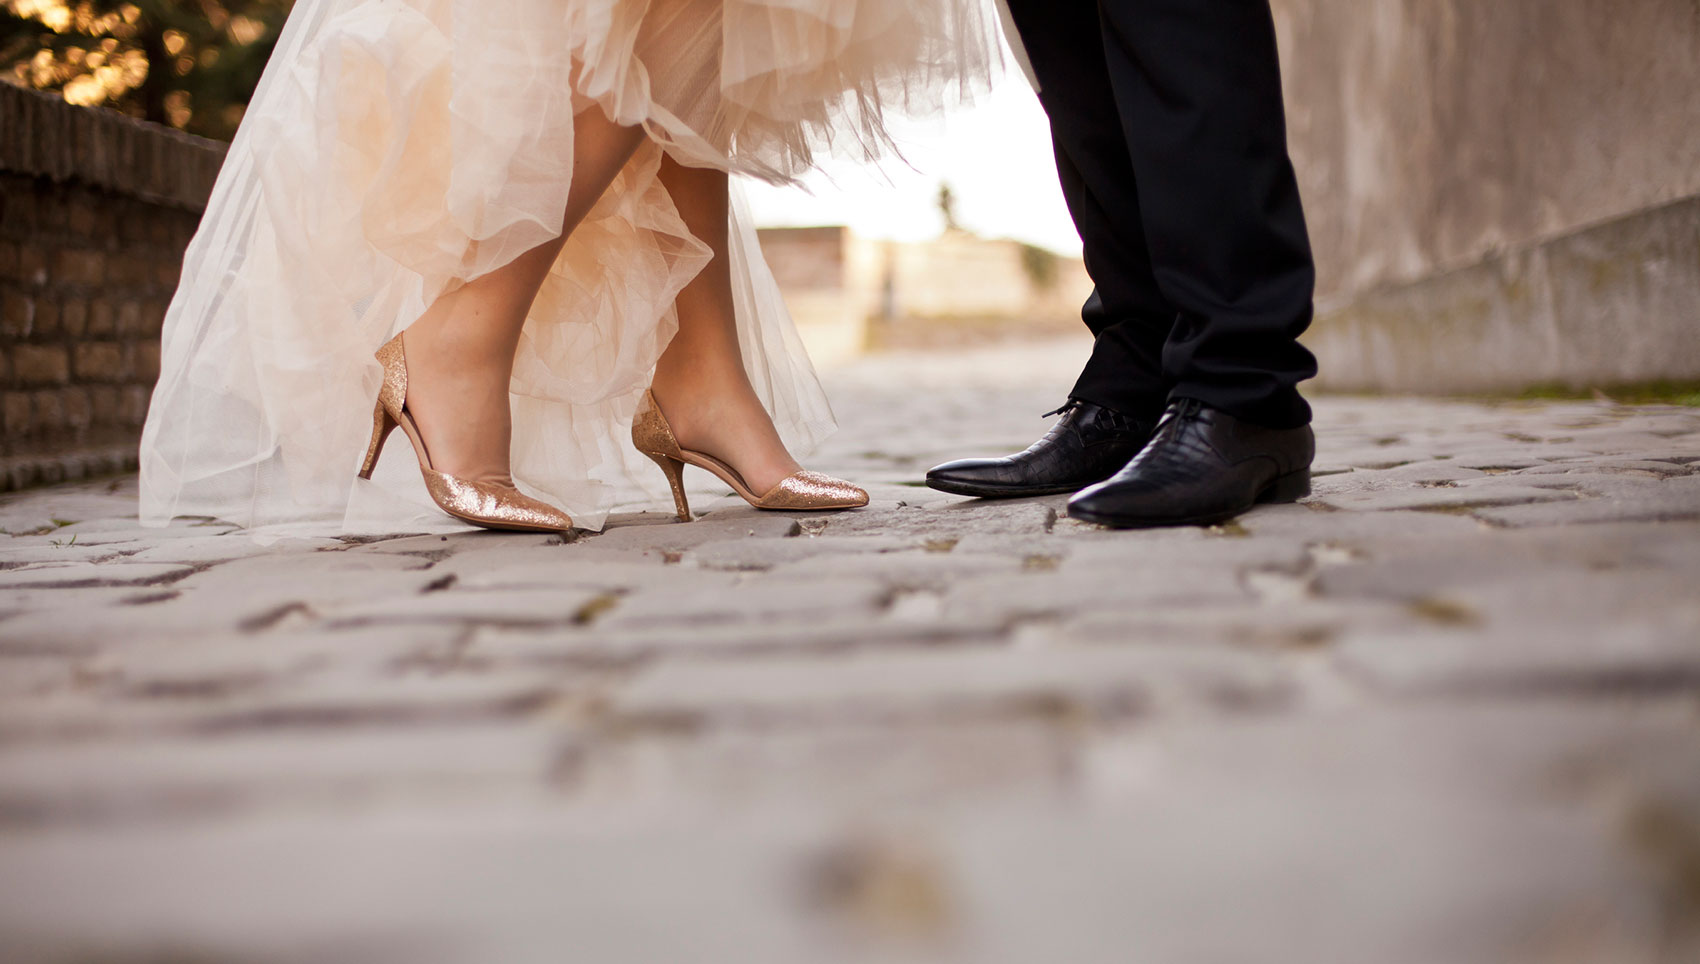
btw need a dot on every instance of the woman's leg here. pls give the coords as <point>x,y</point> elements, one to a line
<point>460,353</point>
<point>700,382</point>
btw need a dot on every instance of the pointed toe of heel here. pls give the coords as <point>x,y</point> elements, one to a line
<point>813,491</point>
<point>805,491</point>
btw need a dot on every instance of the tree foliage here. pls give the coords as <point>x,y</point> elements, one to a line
<point>191,64</point>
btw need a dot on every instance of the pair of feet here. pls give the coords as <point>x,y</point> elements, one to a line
<point>458,397</point>
<point>1193,465</point>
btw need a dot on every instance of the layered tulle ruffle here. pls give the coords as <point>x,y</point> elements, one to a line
<point>397,148</point>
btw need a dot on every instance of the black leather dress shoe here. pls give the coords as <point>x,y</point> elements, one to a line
<point>1202,467</point>
<point>1088,444</point>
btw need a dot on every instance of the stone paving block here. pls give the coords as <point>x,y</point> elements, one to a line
<point>752,600</point>
<point>168,615</point>
<point>14,601</point>
<point>1444,470</point>
<point>592,573</point>
<point>216,549</point>
<point>1403,497</point>
<point>1672,500</point>
<point>1031,595</point>
<point>318,575</point>
<point>666,533</point>
<point>554,606</point>
<point>527,887</point>
<point>1599,485</point>
<point>1441,871</point>
<point>226,662</point>
<point>329,703</point>
<point>1639,467</point>
<point>480,562</point>
<point>21,519</point>
<point>758,554</point>
<point>50,541</point>
<point>1301,626</point>
<point>1210,555</point>
<point>955,519</point>
<point>1516,752</point>
<point>400,699</point>
<point>1376,457</point>
<point>850,767</point>
<point>449,543</point>
<point>15,557</point>
<point>1525,659</point>
<point>81,574</point>
<point>1565,631</point>
<point>1318,524</point>
<point>25,676</point>
<point>1493,458</point>
<point>981,681</point>
<point>246,595</point>
<point>1419,569</point>
<point>610,643</point>
<point>1463,791</point>
<point>1056,545</point>
<point>910,570</point>
<point>104,531</point>
<point>172,780</point>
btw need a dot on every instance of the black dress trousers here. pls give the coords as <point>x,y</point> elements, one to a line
<point>1171,145</point>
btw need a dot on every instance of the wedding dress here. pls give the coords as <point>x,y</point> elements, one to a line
<point>398,148</point>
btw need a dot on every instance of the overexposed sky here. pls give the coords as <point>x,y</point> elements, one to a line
<point>996,156</point>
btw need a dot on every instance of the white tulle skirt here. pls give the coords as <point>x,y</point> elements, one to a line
<point>399,148</point>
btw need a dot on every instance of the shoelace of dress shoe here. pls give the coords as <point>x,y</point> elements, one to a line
<point>1181,412</point>
<point>1118,421</point>
<point>1180,447</point>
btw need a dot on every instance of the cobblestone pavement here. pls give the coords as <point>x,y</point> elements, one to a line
<point>1445,712</point>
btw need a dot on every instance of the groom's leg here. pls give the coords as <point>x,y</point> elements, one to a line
<point>1198,86</point>
<point>1198,90</point>
<point>1128,314</point>
<point>1121,393</point>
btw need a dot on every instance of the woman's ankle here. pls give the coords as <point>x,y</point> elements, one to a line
<point>724,418</point>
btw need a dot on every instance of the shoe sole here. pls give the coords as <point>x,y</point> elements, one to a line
<point>1286,489</point>
<point>996,492</point>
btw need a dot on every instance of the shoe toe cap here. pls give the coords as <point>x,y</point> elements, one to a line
<point>963,470</point>
<point>1115,497</point>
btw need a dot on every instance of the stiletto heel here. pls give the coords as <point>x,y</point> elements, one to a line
<point>492,505</point>
<point>382,426</point>
<point>675,472</point>
<point>804,491</point>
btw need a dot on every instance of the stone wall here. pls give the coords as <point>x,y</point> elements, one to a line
<point>1455,154</point>
<point>95,212</point>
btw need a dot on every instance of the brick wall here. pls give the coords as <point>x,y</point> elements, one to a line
<point>95,211</point>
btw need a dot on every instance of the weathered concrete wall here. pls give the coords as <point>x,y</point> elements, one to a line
<point>1615,304</point>
<point>95,211</point>
<point>1435,135</point>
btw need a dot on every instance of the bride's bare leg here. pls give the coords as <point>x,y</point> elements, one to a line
<point>460,353</point>
<point>700,382</point>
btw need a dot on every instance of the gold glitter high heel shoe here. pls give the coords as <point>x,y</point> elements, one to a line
<point>491,505</point>
<point>803,492</point>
